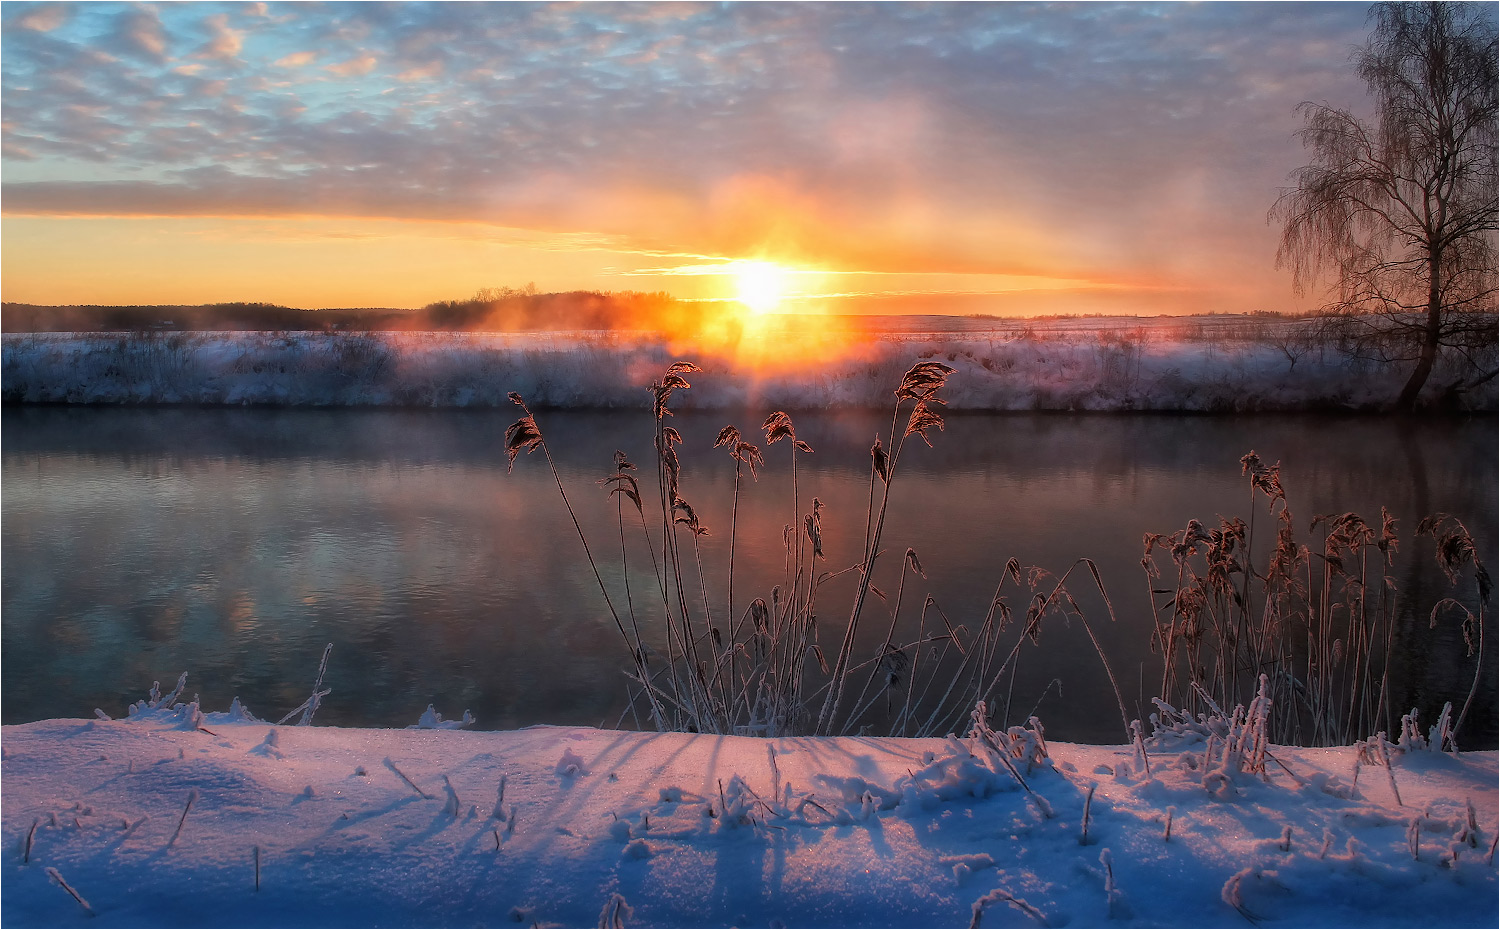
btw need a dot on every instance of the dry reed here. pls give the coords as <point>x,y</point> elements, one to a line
<point>1241,624</point>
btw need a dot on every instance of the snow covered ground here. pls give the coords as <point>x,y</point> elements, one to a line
<point>1164,363</point>
<point>173,818</point>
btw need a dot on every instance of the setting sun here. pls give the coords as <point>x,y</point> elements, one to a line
<point>759,285</point>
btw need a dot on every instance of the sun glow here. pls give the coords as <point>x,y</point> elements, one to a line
<point>759,285</point>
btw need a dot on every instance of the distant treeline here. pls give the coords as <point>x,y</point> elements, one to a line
<point>250,317</point>
<point>490,310</point>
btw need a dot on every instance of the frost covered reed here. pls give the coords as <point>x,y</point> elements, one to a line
<point>1277,641</point>
<point>761,668</point>
<point>308,707</point>
<point>191,797</point>
<point>1001,895</point>
<point>56,876</point>
<point>1319,623</point>
<point>409,783</point>
<point>747,673</point>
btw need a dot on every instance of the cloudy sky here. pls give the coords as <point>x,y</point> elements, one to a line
<point>964,157</point>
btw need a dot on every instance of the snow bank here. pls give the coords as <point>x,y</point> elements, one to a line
<point>1105,367</point>
<point>234,822</point>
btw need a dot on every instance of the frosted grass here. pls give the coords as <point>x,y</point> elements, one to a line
<point>1156,366</point>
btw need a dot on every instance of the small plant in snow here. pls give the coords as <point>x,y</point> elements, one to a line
<point>775,774</point>
<point>1411,739</point>
<point>1440,737</point>
<point>165,708</point>
<point>155,700</point>
<point>314,700</point>
<point>1000,749</point>
<point>269,747</point>
<point>965,866</point>
<point>56,876</point>
<point>998,895</point>
<point>1233,743</point>
<point>499,813</point>
<point>432,720</point>
<point>737,803</point>
<point>1233,894</point>
<point>451,806</point>
<point>1114,899</point>
<point>570,765</point>
<point>616,912</point>
<point>1376,751</point>
<point>237,713</point>
<point>402,775</point>
<point>1088,802</point>
<point>192,796</point>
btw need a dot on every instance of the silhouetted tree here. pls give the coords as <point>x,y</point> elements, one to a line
<point>1401,211</point>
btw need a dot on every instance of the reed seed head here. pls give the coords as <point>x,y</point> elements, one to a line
<point>916,565</point>
<point>688,517</point>
<point>521,435</point>
<point>778,426</point>
<point>923,380</point>
<point>923,418</point>
<point>750,455</point>
<point>671,380</point>
<point>879,461</point>
<point>626,484</point>
<point>814,527</point>
<point>1264,478</point>
<point>1455,549</point>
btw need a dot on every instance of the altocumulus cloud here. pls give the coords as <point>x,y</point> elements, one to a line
<point>1093,141</point>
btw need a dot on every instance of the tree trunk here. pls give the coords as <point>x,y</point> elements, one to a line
<point>1430,336</point>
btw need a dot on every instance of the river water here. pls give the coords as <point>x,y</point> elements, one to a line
<point>235,543</point>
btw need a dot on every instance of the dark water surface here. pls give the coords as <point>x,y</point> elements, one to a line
<point>233,544</point>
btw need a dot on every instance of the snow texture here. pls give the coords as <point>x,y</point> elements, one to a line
<point>153,824</point>
<point>1164,363</point>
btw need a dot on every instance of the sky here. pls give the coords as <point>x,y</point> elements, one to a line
<point>964,158</point>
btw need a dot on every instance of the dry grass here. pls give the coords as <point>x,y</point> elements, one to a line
<point>1319,623</point>
<point>1300,636</point>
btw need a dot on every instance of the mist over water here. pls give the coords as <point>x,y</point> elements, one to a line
<point>233,544</point>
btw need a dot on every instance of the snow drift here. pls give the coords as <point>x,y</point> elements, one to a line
<point>192,819</point>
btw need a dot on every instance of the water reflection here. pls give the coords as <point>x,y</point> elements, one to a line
<point>235,543</point>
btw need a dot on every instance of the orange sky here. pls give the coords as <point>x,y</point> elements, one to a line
<point>969,159</point>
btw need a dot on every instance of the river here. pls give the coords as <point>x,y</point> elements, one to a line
<point>235,543</point>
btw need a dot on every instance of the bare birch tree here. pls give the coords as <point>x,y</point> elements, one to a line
<point>1400,212</point>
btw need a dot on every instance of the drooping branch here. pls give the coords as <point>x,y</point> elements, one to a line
<point>1398,215</point>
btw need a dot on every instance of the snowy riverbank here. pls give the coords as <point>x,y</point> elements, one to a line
<point>1161,364</point>
<point>160,822</point>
